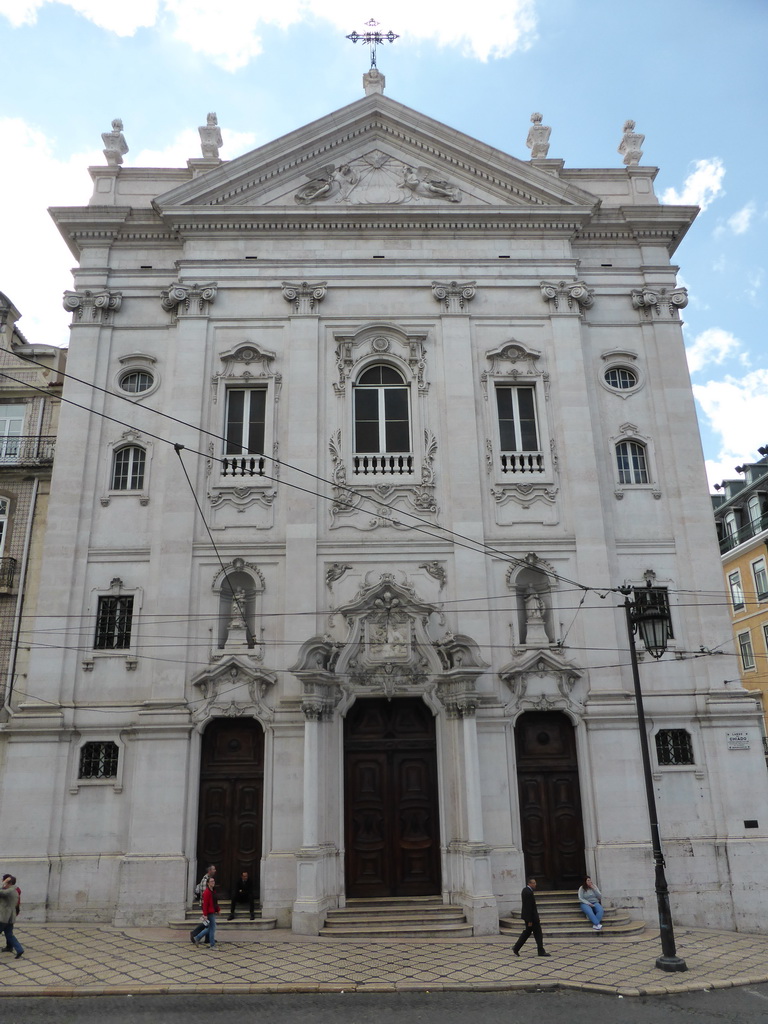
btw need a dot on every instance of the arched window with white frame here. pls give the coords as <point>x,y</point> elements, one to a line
<point>128,466</point>
<point>632,462</point>
<point>383,441</point>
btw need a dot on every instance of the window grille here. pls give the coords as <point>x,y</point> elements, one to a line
<point>673,746</point>
<point>113,623</point>
<point>98,760</point>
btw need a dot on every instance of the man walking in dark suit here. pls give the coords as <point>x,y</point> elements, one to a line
<point>530,915</point>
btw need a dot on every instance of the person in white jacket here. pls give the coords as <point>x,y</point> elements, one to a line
<point>591,902</point>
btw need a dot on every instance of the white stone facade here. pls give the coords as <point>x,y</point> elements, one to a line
<point>443,565</point>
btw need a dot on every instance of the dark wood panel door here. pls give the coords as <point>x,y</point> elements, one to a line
<point>392,827</point>
<point>550,801</point>
<point>231,801</point>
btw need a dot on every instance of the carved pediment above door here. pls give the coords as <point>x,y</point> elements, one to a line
<point>389,649</point>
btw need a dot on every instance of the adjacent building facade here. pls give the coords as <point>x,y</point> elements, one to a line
<point>741,517</point>
<point>380,419</point>
<point>30,386</point>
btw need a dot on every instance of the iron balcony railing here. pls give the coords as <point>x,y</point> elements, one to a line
<point>744,533</point>
<point>7,571</point>
<point>27,450</point>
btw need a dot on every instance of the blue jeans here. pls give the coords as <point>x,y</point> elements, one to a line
<point>594,911</point>
<point>209,930</point>
<point>10,938</point>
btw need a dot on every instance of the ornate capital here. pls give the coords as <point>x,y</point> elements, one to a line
<point>185,298</point>
<point>304,297</point>
<point>567,294</point>
<point>659,300</point>
<point>454,296</point>
<point>98,307</point>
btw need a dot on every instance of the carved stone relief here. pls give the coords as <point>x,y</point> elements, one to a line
<point>376,178</point>
<point>388,648</point>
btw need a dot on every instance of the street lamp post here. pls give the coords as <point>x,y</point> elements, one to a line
<point>651,618</point>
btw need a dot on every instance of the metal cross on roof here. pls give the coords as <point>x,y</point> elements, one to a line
<point>373,38</point>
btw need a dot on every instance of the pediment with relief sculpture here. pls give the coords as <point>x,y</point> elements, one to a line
<point>375,152</point>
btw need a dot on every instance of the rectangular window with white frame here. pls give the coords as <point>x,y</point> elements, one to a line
<point>746,651</point>
<point>519,442</point>
<point>737,591</point>
<point>760,576</point>
<point>245,431</point>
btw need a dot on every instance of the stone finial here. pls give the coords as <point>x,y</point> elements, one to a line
<point>631,144</point>
<point>115,146</point>
<point>210,138</point>
<point>538,138</point>
<point>373,81</point>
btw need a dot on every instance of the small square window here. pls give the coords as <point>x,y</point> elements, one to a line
<point>673,746</point>
<point>98,760</point>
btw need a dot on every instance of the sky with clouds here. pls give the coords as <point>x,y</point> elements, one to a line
<point>692,74</point>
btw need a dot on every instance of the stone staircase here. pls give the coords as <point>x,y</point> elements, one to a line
<point>415,917</point>
<point>242,921</point>
<point>562,918</point>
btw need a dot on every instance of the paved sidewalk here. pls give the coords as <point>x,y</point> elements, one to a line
<point>68,960</point>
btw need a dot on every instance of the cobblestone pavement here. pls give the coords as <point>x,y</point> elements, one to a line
<point>68,959</point>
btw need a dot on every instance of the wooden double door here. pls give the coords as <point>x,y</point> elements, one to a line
<point>550,800</point>
<point>392,832</point>
<point>231,801</point>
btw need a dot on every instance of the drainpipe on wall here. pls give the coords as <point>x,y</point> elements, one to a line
<point>20,595</point>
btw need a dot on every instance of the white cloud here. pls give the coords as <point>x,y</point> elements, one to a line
<point>711,346</point>
<point>34,261</point>
<point>735,409</point>
<point>121,18</point>
<point>228,32</point>
<point>740,222</point>
<point>702,186</point>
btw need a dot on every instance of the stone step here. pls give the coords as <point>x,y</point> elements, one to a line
<point>396,917</point>
<point>340,918</point>
<point>620,925</point>
<point>259,924</point>
<point>398,931</point>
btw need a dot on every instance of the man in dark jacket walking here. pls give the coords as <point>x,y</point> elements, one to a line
<point>530,915</point>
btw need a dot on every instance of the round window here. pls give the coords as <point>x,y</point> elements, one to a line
<point>620,377</point>
<point>136,381</point>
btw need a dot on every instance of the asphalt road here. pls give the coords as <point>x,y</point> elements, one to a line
<point>721,1006</point>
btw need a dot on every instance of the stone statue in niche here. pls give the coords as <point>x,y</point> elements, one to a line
<point>535,630</point>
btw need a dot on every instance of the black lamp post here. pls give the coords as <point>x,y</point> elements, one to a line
<point>650,617</point>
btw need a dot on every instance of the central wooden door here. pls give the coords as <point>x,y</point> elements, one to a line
<point>391,819</point>
<point>550,801</point>
<point>231,801</point>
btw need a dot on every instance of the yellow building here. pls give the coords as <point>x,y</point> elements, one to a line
<point>741,515</point>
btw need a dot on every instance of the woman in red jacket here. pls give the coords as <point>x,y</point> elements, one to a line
<point>210,910</point>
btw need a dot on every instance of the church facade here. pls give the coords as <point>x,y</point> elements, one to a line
<point>363,430</point>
